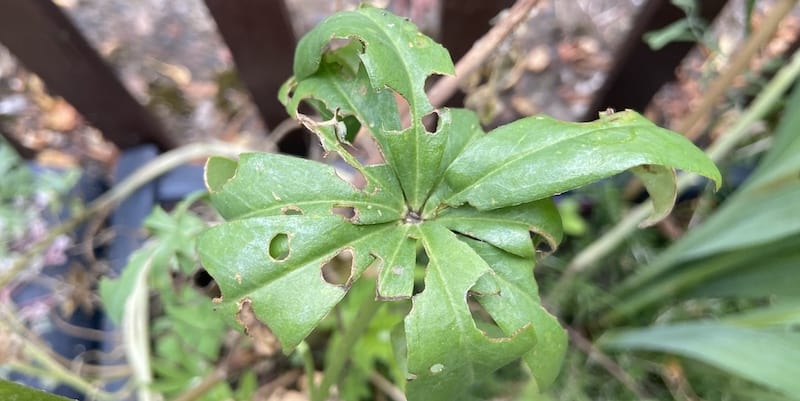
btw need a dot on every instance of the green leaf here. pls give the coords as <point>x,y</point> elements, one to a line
<point>765,356</point>
<point>237,256</point>
<point>395,56</point>
<point>115,292</point>
<point>10,391</point>
<point>746,243</point>
<point>509,228</point>
<point>174,241</point>
<point>445,348</point>
<point>477,205</point>
<point>516,303</point>
<point>538,157</point>
<point>242,192</point>
<point>678,31</point>
<point>345,93</point>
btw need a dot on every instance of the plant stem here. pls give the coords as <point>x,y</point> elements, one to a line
<point>342,350</point>
<point>593,353</point>
<point>208,382</point>
<point>49,368</point>
<point>308,366</point>
<point>584,262</point>
<point>119,192</point>
<point>739,62</point>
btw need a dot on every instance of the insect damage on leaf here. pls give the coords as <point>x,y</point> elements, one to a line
<point>468,209</point>
<point>264,342</point>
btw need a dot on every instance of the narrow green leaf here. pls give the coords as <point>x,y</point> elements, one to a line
<point>768,357</point>
<point>760,215</point>
<point>10,391</point>
<point>446,350</point>
<point>783,314</point>
<point>537,157</point>
<point>415,154</point>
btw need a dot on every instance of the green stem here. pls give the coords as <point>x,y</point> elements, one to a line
<point>308,366</point>
<point>585,261</point>
<point>43,364</point>
<point>341,351</point>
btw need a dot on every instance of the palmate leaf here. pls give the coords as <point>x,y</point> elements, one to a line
<point>476,205</point>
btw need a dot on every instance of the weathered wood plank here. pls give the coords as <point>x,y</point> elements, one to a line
<point>46,42</point>
<point>638,71</point>
<point>465,21</point>
<point>260,36</point>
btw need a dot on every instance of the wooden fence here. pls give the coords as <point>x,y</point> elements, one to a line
<point>261,39</point>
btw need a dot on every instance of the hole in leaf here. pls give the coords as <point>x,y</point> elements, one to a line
<point>541,243</point>
<point>264,342</point>
<point>296,142</point>
<point>202,278</point>
<point>339,269</point>
<point>351,175</point>
<point>348,212</point>
<point>359,181</point>
<point>279,247</point>
<point>218,172</point>
<point>483,320</point>
<point>206,283</point>
<point>291,211</point>
<point>431,121</point>
<point>419,271</point>
<point>403,108</point>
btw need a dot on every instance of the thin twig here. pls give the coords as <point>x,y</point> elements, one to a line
<point>741,59</point>
<point>284,380</point>
<point>216,376</point>
<point>690,126</point>
<point>480,51</point>
<point>387,387</point>
<point>281,130</point>
<point>593,353</point>
<point>45,364</point>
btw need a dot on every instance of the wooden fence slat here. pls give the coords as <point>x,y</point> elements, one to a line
<point>46,42</point>
<point>638,71</point>
<point>464,22</point>
<point>260,36</point>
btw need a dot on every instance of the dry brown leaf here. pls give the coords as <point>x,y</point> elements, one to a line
<point>538,59</point>
<point>61,116</point>
<point>56,158</point>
